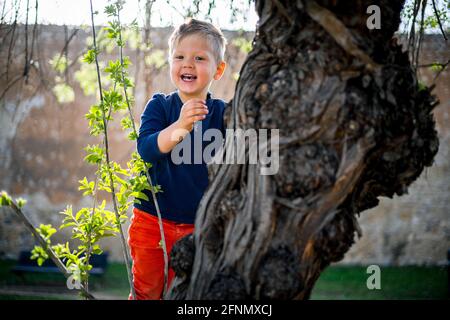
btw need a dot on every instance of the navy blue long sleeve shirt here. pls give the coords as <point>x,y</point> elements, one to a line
<point>183,184</point>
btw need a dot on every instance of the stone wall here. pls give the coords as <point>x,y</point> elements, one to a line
<point>41,154</point>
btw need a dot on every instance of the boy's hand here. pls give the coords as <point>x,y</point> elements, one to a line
<point>193,110</point>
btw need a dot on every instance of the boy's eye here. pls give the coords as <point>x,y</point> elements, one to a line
<point>196,58</point>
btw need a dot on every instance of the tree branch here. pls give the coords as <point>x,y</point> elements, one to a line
<point>44,245</point>
<point>338,31</point>
<point>438,19</point>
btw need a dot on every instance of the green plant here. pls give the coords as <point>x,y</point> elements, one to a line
<point>125,185</point>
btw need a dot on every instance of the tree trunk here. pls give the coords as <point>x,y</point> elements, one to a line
<point>354,125</point>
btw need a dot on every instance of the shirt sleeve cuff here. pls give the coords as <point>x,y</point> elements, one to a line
<point>148,148</point>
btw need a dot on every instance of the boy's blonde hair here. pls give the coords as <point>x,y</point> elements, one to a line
<point>193,26</point>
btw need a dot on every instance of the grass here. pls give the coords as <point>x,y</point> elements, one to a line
<point>113,284</point>
<point>335,283</point>
<point>412,282</point>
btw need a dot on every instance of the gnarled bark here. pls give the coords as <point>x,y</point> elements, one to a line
<point>354,125</point>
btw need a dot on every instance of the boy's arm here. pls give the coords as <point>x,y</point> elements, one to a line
<point>171,136</point>
<point>153,121</point>
<point>193,110</point>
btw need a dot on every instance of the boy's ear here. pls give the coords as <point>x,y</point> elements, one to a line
<point>220,70</point>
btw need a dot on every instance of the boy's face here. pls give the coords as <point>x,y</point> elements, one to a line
<point>193,67</point>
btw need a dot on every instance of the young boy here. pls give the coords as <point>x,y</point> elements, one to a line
<point>196,58</point>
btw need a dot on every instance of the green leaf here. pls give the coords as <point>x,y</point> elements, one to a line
<point>68,211</point>
<point>95,154</point>
<point>86,77</point>
<point>126,62</point>
<point>38,253</point>
<point>97,250</point>
<point>436,67</point>
<point>21,202</point>
<point>40,261</point>
<point>59,63</point>
<point>120,180</point>
<point>64,93</point>
<point>80,213</point>
<point>90,56</point>
<point>112,98</point>
<point>5,199</point>
<point>110,10</point>
<point>132,136</point>
<point>421,86</point>
<point>69,224</point>
<point>243,44</point>
<point>140,195</point>
<point>126,123</point>
<point>86,185</point>
<point>46,230</point>
<point>156,59</point>
<point>108,235</point>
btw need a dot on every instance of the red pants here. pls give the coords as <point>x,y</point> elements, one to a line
<point>146,252</point>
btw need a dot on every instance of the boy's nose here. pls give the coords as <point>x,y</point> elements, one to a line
<point>188,63</point>
<point>187,67</point>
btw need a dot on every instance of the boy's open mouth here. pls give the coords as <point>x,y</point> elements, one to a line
<point>188,77</point>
